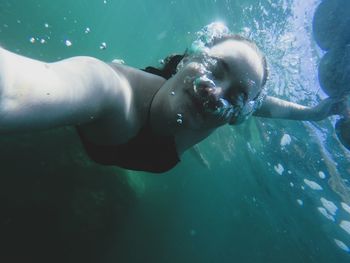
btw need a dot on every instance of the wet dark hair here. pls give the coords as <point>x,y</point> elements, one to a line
<point>170,63</point>
<point>169,66</point>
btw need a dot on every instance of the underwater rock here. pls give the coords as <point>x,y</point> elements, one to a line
<point>330,24</point>
<point>342,129</point>
<point>334,71</point>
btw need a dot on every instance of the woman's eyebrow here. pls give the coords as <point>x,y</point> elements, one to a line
<point>223,63</point>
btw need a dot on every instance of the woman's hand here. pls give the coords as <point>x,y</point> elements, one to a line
<point>331,106</point>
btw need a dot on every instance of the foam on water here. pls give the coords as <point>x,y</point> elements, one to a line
<point>207,35</point>
<point>345,207</point>
<point>345,225</point>
<point>324,212</point>
<point>68,43</point>
<point>329,205</point>
<point>313,185</point>
<point>342,245</point>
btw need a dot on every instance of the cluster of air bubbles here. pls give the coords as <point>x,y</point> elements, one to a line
<point>38,39</point>
<point>179,119</point>
<point>204,88</point>
<point>203,81</point>
<point>207,35</point>
<point>41,40</point>
<point>103,45</point>
<point>87,30</point>
<point>209,94</point>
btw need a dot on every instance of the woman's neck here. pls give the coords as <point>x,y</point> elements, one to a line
<point>145,86</point>
<point>173,112</point>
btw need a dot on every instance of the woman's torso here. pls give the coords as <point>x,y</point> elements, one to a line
<point>117,140</point>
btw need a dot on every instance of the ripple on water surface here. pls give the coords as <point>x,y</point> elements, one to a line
<point>329,205</point>
<point>345,225</point>
<point>342,245</point>
<point>325,213</point>
<point>345,207</point>
<point>313,185</point>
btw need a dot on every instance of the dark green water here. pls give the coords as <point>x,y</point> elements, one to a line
<point>56,206</point>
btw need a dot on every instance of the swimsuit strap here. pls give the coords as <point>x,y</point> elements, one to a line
<point>148,119</point>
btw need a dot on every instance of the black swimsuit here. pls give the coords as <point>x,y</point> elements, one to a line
<point>146,151</point>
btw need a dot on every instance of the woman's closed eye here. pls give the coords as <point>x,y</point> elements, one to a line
<point>218,70</point>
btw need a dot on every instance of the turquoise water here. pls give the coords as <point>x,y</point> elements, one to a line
<point>259,199</point>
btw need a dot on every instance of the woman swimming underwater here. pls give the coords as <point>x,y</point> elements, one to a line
<point>145,119</point>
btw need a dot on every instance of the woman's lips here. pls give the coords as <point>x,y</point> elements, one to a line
<point>206,89</point>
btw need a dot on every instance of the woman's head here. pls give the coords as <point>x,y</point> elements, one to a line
<point>224,73</point>
<point>227,73</point>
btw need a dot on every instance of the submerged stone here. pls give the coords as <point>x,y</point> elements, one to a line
<point>331,24</point>
<point>334,71</point>
<point>342,129</point>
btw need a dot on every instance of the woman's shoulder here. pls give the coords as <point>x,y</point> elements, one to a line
<point>130,110</point>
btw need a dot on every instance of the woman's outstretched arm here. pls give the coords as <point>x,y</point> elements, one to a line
<point>277,108</point>
<point>36,95</point>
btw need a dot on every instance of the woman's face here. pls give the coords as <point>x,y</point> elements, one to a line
<point>224,82</point>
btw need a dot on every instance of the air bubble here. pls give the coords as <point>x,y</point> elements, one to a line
<point>68,43</point>
<point>179,118</point>
<point>103,46</point>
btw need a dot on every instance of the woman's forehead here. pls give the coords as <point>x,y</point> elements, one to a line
<point>237,52</point>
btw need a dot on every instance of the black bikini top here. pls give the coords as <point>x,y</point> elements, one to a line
<point>146,151</point>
